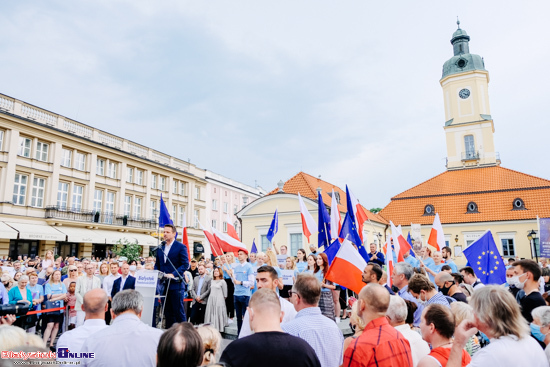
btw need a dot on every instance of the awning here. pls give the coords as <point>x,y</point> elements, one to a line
<point>6,232</point>
<point>28,231</point>
<point>113,237</point>
<point>75,234</point>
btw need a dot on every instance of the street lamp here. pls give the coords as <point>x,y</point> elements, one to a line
<point>456,239</point>
<point>531,236</point>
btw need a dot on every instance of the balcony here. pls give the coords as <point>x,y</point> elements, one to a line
<point>471,155</point>
<point>90,216</point>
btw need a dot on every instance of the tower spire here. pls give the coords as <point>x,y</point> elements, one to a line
<point>457,22</point>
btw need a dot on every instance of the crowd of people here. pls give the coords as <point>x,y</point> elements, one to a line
<point>430,313</point>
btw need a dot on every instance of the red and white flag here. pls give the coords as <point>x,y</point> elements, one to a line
<point>360,215</point>
<point>437,237</point>
<point>214,247</point>
<point>347,268</point>
<point>231,229</point>
<point>228,243</point>
<point>399,243</point>
<point>389,264</point>
<point>335,218</point>
<point>309,226</point>
<point>184,238</point>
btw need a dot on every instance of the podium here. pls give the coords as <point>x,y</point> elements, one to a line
<point>146,284</point>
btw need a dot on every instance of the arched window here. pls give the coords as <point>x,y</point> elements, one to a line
<point>429,210</point>
<point>472,207</point>
<point>518,204</point>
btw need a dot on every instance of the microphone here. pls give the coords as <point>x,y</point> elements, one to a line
<point>163,243</point>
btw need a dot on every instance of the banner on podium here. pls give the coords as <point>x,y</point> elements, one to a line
<point>146,278</point>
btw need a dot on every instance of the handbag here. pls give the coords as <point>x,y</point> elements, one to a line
<point>53,304</point>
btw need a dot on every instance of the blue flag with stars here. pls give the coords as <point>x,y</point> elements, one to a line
<point>164,216</point>
<point>486,261</point>
<point>323,223</point>
<point>349,231</point>
<point>332,250</point>
<point>254,249</point>
<point>274,227</point>
<point>410,243</point>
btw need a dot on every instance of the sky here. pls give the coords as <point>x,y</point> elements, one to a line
<point>259,91</point>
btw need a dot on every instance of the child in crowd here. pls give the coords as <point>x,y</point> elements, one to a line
<point>71,301</point>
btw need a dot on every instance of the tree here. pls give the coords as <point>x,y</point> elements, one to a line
<point>129,249</point>
<point>375,210</point>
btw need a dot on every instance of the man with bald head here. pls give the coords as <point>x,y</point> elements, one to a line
<point>380,344</point>
<point>446,284</point>
<point>95,306</point>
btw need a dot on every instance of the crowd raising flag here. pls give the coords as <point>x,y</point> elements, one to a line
<point>335,219</point>
<point>164,216</point>
<point>484,258</point>
<point>323,223</point>
<point>254,249</point>
<point>308,223</point>
<point>274,227</point>
<point>231,229</point>
<point>400,244</point>
<point>437,237</point>
<point>347,268</point>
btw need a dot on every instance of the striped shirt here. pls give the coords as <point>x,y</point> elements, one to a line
<point>380,345</point>
<point>439,298</point>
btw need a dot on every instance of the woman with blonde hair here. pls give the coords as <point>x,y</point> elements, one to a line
<point>227,266</point>
<point>357,325</point>
<point>211,340</point>
<point>48,260</point>
<point>103,271</point>
<point>463,311</point>
<point>290,264</point>
<point>271,260</point>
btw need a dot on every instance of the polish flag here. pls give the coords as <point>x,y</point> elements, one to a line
<point>347,268</point>
<point>214,247</point>
<point>399,243</point>
<point>308,223</point>
<point>335,218</point>
<point>437,237</point>
<point>184,238</point>
<point>389,263</point>
<point>231,229</point>
<point>360,215</point>
<point>228,243</point>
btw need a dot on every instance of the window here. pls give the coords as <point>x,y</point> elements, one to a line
<point>197,193</point>
<point>153,181</point>
<point>508,247</point>
<point>224,227</point>
<point>295,243</point>
<point>472,208</point>
<point>127,205</point>
<point>139,177</point>
<point>1,139</point>
<point>429,210</point>
<point>518,204</point>
<point>182,188</point>
<point>129,174</point>
<point>37,198</point>
<point>100,169</point>
<point>111,170</point>
<point>42,151</point>
<point>62,195</point>
<point>196,218</point>
<point>66,156</point>
<point>24,147</point>
<point>181,215</point>
<point>469,146</point>
<point>153,207</point>
<point>162,183</point>
<point>98,200</point>
<point>174,187</point>
<point>174,212</point>
<point>214,190</point>
<point>235,209</point>
<point>80,161</point>
<point>226,193</point>
<point>265,243</point>
<point>20,189</point>
<point>78,190</point>
<point>245,200</point>
<point>214,224</point>
<point>214,204</point>
<point>137,208</point>
<point>225,207</point>
<point>109,207</point>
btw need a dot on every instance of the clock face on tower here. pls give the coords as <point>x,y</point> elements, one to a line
<point>464,93</point>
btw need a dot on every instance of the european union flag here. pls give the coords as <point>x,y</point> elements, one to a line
<point>254,249</point>
<point>410,243</point>
<point>332,250</point>
<point>349,231</point>
<point>324,223</point>
<point>486,261</point>
<point>274,227</point>
<point>164,216</point>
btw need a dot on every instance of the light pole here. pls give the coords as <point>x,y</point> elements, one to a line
<point>531,236</point>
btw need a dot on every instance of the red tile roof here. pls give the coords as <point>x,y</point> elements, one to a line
<point>307,186</point>
<point>493,189</point>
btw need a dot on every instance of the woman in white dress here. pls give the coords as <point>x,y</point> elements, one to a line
<point>216,313</point>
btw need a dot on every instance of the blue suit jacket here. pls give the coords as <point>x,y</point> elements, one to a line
<point>179,256</point>
<point>129,284</point>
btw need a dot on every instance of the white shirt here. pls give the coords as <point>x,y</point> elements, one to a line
<point>74,339</point>
<point>167,248</point>
<point>127,342</point>
<point>419,347</point>
<point>286,307</point>
<point>508,350</point>
<point>123,281</point>
<point>108,283</point>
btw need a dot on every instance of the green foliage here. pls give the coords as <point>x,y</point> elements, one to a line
<point>129,249</point>
<point>375,210</point>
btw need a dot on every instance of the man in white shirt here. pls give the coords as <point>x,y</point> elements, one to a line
<point>397,315</point>
<point>83,285</point>
<point>470,277</point>
<point>267,277</point>
<point>108,287</point>
<point>94,305</point>
<point>128,341</point>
